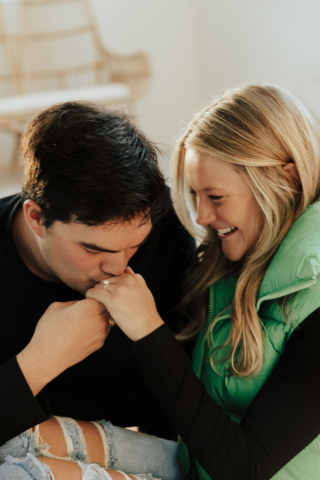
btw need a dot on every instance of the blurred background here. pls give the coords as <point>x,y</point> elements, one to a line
<point>188,52</point>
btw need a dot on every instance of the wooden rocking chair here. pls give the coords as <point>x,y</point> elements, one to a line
<point>56,55</point>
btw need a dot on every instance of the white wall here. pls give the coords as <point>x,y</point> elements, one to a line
<point>276,41</point>
<point>199,47</point>
<point>166,30</point>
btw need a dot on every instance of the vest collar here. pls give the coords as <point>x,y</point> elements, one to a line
<point>296,263</point>
<point>294,267</point>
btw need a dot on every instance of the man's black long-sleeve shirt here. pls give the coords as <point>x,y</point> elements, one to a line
<point>108,383</point>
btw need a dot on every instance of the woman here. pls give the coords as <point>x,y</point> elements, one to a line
<point>246,184</point>
<point>247,169</point>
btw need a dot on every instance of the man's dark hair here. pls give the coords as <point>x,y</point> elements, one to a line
<point>90,165</point>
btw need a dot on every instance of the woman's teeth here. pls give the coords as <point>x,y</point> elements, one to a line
<point>223,231</point>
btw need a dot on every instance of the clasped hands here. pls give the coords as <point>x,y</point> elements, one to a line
<point>69,332</point>
<point>129,302</point>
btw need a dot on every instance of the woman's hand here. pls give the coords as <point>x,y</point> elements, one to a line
<point>129,302</point>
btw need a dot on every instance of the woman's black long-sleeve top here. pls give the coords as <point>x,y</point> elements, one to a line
<point>283,418</point>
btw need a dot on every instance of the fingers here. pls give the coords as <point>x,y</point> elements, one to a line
<point>107,287</point>
<point>104,291</point>
<point>91,304</point>
<point>61,305</point>
<point>129,271</point>
<point>108,326</point>
<point>99,294</point>
<point>111,282</point>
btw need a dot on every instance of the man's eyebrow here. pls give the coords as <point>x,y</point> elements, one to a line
<point>91,246</point>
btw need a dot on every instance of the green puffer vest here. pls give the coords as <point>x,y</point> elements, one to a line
<point>294,269</point>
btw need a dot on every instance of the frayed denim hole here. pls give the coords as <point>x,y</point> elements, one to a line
<point>33,466</point>
<point>19,446</point>
<point>93,472</point>
<point>79,447</point>
<point>107,426</point>
<point>145,476</point>
<point>28,442</point>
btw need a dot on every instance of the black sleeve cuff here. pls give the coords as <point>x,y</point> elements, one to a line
<point>161,333</point>
<point>19,408</point>
<point>156,347</point>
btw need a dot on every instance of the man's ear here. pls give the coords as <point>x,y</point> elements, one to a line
<point>292,172</point>
<point>32,214</point>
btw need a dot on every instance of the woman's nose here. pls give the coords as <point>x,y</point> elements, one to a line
<point>206,213</point>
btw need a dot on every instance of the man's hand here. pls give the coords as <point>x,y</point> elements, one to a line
<point>65,334</point>
<point>129,302</point>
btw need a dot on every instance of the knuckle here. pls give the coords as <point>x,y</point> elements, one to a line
<point>92,306</point>
<point>122,290</point>
<point>54,306</point>
<point>100,323</point>
<point>99,343</point>
<point>102,329</point>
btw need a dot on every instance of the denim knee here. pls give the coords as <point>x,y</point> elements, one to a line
<point>137,454</point>
<point>29,468</point>
<point>141,455</point>
<point>19,446</point>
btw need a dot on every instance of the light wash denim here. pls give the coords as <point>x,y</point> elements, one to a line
<point>144,456</point>
<point>27,442</point>
<point>136,453</point>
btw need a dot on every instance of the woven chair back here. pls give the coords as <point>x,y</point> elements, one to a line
<point>8,80</point>
<point>57,46</point>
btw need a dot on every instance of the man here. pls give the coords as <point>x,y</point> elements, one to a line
<point>93,201</point>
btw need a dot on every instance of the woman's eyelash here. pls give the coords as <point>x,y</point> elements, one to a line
<point>213,197</point>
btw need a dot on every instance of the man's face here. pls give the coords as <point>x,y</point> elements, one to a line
<point>81,256</point>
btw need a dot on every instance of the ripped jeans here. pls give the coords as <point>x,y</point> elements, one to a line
<point>137,454</point>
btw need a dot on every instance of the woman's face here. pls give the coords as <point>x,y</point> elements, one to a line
<point>224,201</point>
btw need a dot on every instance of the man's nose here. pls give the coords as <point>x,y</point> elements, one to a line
<point>206,212</point>
<point>115,264</point>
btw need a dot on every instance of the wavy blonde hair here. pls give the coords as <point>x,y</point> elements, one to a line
<point>257,129</point>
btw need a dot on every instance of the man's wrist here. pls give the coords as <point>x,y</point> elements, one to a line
<point>35,370</point>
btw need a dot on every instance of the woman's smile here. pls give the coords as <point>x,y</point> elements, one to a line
<point>224,202</point>
<point>226,231</point>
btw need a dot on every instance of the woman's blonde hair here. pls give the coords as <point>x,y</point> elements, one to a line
<point>257,129</point>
